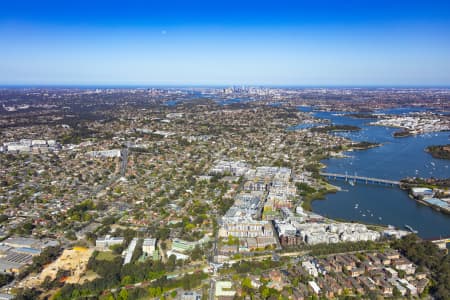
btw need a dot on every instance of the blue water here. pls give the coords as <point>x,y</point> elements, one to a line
<point>395,159</point>
<point>403,110</point>
<point>171,102</point>
<point>304,126</point>
<point>232,101</point>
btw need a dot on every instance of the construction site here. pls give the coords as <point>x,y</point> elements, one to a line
<point>72,261</point>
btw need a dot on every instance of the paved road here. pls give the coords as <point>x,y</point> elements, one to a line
<point>211,289</point>
<point>124,163</point>
<point>161,252</point>
<point>123,166</point>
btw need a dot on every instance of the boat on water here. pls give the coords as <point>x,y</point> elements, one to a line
<point>352,182</point>
<point>410,228</point>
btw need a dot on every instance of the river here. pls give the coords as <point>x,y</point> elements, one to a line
<point>395,159</point>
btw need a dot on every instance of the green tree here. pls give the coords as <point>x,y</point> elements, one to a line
<point>265,292</point>
<point>246,283</point>
<point>127,280</point>
<point>196,253</point>
<point>396,293</point>
<point>123,294</point>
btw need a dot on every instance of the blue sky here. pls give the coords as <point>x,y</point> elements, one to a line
<point>364,42</point>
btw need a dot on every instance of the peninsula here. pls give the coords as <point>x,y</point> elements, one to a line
<point>439,151</point>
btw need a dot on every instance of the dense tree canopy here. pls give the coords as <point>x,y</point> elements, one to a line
<point>427,255</point>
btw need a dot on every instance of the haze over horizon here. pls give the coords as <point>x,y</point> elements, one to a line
<point>297,43</point>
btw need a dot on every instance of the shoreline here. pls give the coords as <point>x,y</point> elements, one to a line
<point>341,154</point>
<point>439,151</point>
<point>364,146</point>
<point>407,187</point>
<point>434,207</point>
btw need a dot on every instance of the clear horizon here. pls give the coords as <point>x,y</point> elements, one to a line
<point>186,86</point>
<point>254,43</point>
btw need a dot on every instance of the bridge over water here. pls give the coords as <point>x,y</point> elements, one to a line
<point>360,179</point>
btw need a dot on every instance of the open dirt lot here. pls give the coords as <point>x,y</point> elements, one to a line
<point>73,260</point>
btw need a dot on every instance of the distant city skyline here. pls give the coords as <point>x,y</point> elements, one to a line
<point>206,43</point>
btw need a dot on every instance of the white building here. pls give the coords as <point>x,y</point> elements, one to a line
<point>421,192</point>
<point>317,233</point>
<point>246,228</point>
<point>314,287</point>
<point>310,268</point>
<point>105,153</point>
<point>130,251</point>
<point>108,241</point>
<point>236,168</point>
<point>285,228</point>
<point>149,246</point>
<point>223,289</point>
